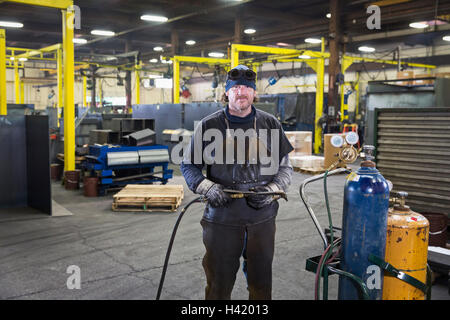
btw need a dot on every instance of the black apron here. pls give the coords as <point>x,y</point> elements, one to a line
<point>239,230</point>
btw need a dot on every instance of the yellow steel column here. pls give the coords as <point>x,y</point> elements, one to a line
<point>3,110</point>
<point>137,78</point>
<point>16,80</point>
<point>59,75</point>
<point>234,56</point>
<point>319,104</point>
<point>22,92</point>
<point>84,91</point>
<point>176,80</point>
<point>69,106</point>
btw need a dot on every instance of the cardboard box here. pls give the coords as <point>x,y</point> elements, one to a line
<point>405,75</point>
<point>330,152</point>
<point>301,141</point>
<point>423,82</point>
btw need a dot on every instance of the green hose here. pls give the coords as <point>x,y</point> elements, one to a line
<point>330,251</point>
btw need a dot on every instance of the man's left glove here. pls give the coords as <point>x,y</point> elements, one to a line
<point>259,201</point>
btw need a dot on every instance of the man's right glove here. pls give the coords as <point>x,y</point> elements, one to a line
<point>213,193</point>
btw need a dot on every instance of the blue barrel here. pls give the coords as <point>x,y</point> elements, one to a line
<point>364,226</point>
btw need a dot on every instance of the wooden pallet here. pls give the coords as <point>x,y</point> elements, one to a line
<point>312,171</point>
<point>148,198</point>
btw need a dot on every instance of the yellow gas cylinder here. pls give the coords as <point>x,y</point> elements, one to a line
<point>406,250</point>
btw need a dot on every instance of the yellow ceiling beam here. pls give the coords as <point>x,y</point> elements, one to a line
<point>59,4</point>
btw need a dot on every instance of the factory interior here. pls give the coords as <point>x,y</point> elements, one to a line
<point>99,101</point>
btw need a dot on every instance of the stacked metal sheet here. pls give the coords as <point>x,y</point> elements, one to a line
<point>413,151</point>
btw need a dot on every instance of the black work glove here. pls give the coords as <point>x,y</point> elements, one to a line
<point>259,201</point>
<point>214,193</point>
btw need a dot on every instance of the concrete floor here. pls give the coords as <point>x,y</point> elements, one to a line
<point>120,254</point>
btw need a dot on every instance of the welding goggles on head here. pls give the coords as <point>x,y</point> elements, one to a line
<point>236,74</point>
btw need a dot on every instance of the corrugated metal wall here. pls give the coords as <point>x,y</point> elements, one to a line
<point>413,151</point>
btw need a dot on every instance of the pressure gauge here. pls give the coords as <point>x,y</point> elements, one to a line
<point>352,138</point>
<point>337,141</point>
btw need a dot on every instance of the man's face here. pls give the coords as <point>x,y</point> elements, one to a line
<point>240,97</point>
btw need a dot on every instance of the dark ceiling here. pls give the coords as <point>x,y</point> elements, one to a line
<point>211,23</point>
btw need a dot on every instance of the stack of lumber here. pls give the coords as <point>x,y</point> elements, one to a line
<point>148,198</point>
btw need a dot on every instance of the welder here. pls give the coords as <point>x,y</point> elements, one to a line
<point>245,227</point>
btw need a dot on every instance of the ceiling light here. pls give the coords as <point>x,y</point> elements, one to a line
<point>304,56</point>
<point>79,40</point>
<point>328,15</point>
<point>158,49</point>
<point>418,25</point>
<point>154,60</point>
<point>313,40</point>
<point>166,61</point>
<point>106,33</point>
<point>10,24</point>
<point>190,42</point>
<point>446,38</point>
<point>155,76</point>
<point>149,17</point>
<point>216,54</point>
<point>366,49</point>
<point>11,58</point>
<point>23,59</point>
<point>249,31</point>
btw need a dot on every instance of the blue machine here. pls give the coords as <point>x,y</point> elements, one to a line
<point>121,165</point>
<point>364,227</point>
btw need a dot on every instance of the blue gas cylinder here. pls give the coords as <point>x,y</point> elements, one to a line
<point>364,226</point>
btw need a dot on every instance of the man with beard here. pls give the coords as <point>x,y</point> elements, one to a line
<point>239,227</point>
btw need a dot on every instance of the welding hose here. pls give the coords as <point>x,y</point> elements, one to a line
<point>320,267</point>
<point>172,238</point>
<point>330,248</point>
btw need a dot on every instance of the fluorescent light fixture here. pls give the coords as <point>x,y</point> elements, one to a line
<point>328,15</point>
<point>190,42</point>
<point>249,31</point>
<point>10,24</point>
<point>11,58</point>
<point>154,60</point>
<point>166,61</point>
<point>106,33</point>
<point>149,17</point>
<point>163,83</point>
<point>23,59</point>
<point>216,54</point>
<point>79,40</point>
<point>446,38</point>
<point>304,56</point>
<point>366,49</point>
<point>158,49</point>
<point>155,76</point>
<point>313,40</point>
<point>111,58</point>
<point>418,25</point>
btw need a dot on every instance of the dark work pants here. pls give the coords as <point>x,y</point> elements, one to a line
<point>224,246</point>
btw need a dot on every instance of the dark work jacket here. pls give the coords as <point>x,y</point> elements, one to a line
<point>238,176</point>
